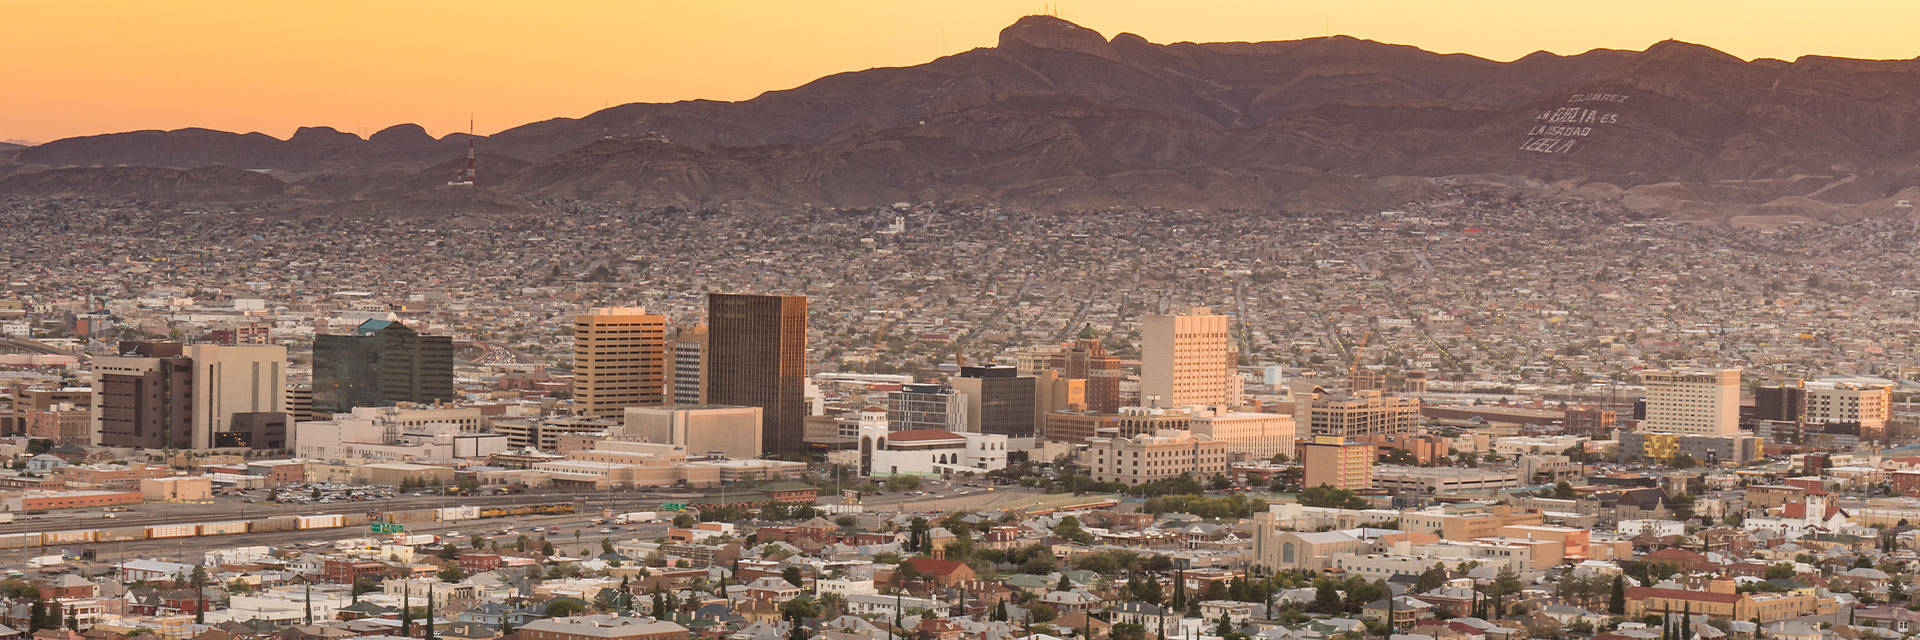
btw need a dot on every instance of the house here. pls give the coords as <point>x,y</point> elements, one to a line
<point>1405,610</point>
<point>946,573</point>
<point>774,589</point>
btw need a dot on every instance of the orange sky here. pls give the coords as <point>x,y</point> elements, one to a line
<point>76,67</point>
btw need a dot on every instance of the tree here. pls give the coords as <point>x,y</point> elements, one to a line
<point>546,548</point>
<point>1326,597</point>
<point>1069,528</point>
<point>1431,579</point>
<point>1328,496</point>
<point>566,607</point>
<point>792,576</point>
<point>917,539</point>
<point>1617,600</point>
<point>1564,491</point>
<point>1127,631</point>
<point>406,612</point>
<point>240,587</point>
<point>1039,612</point>
<point>452,573</point>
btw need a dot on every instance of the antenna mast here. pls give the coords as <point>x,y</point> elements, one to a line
<point>464,178</point>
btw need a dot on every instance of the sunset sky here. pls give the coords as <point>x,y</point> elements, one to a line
<point>77,67</point>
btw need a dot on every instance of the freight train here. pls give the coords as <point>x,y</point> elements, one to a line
<point>272,524</point>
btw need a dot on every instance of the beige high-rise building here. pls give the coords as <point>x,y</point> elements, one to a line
<point>1701,401</point>
<point>619,361</point>
<point>1335,462</point>
<point>1186,359</point>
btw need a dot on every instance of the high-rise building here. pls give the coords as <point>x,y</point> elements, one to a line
<point>230,380</point>
<point>1335,462</point>
<point>1366,414</point>
<point>1784,402</point>
<point>686,380</point>
<point>1186,359</point>
<point>926,406</point>
<point>144,396</point>
<point>999,400</point>
<point>382,362</point>
<point>1704,402</point>
<point>757,357</point>
<point>619,361</point>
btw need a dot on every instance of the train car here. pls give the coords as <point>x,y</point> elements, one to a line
<point>122,534</point>
<point>76,536</point>
<point>228,528</point>
<point>329,521</point>
<point>454,514</point>
<point>356,519</point>
<point>162,531</point>
<point>19,540</point>
<point>493,512</point>
<point>273,524</point>
<point>413,516</point>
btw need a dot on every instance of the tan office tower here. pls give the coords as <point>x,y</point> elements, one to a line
<point>757,357</point>
<point>1185,359</point>
<point>619,361</point>
<point>687,378</point>
<point>1702,402</point>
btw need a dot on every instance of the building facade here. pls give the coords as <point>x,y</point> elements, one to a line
<point>382,362</point>
<point>1159,456</point>
<point>619,361</point>
<point>687,379</point>
<point>1701,402</point>
<point>1335,462</point>
<point>1366,414</point>
<point>757,356</point>
<point>999,400</point>
<point>1186,359</point>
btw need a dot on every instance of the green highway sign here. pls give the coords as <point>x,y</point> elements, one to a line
<point>389,527</point>
<point>674,506</point>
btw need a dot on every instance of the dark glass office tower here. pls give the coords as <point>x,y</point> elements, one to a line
<point>758,358</point>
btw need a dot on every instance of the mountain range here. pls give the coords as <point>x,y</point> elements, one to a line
<point>1057,115</point>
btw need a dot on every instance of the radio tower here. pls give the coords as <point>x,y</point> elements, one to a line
<point>464,178</point>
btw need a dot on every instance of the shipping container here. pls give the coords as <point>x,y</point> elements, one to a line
<point>330,521</point>
<point>69,537</point>
<point>160,531</point>
<point>19,540</point>
<point>123,534</point>
<point>276,523</point>
<point>231,527</point>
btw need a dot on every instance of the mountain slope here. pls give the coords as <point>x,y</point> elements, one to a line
<point>1057,115</point>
